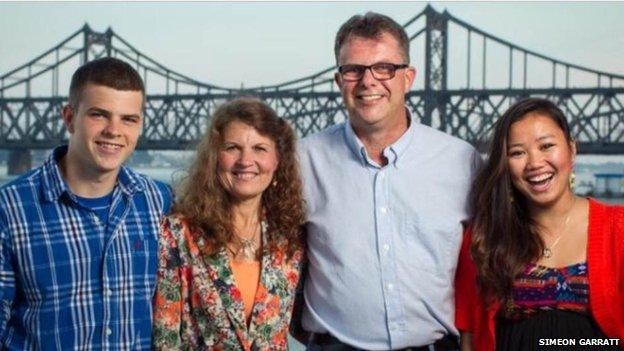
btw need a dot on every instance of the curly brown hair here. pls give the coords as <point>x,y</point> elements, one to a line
<point>204,203</point>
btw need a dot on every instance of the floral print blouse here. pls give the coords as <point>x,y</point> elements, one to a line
<point>197,305</point>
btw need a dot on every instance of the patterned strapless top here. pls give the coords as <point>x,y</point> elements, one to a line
<point>544,288</point>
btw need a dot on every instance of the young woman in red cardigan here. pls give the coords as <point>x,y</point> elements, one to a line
<point>539,267</point>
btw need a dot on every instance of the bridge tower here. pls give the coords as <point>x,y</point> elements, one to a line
<point>93,38</point>
<point>436,64</point>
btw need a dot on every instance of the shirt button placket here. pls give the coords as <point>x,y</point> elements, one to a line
<point>106,299</point>
<point>384,239</point>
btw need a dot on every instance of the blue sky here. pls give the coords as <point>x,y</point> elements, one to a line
<point>258,43</point>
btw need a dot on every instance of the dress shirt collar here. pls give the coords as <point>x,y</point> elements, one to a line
<point>393,152</point>
<point>54,186</point>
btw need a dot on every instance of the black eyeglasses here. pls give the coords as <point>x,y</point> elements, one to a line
<point>381,71</point>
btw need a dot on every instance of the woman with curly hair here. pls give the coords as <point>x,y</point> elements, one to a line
<point>230,252</point>
<point>538,263</point>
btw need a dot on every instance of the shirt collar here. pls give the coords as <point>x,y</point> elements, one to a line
<point>129,182</point>
<point>393,152</point>
<point>54,186</point>
<point>52,180</point>
<point>355,144</point>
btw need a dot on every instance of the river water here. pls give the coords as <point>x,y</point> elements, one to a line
<point>170,167</point>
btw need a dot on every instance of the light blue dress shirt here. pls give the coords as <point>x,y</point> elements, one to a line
<point>383,241</point>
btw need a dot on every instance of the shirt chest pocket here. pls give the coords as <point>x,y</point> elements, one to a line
<point>429,245</point>
<point>133,258</point>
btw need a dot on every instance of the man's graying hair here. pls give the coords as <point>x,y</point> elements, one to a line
<point>371,26</point>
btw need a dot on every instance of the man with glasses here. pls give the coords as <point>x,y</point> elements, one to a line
<point>386,197</point>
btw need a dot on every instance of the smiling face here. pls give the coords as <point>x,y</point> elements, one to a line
<point>246,161</point>
<point>104,129</point>
<point>371,103</point>
<point>540,159</point>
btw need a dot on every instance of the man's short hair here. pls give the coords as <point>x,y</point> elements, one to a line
<point>109,72</point>
<point>371,26</point>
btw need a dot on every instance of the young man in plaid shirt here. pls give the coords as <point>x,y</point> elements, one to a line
<point>78,235</point>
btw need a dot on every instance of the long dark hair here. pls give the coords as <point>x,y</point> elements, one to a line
<point>505,236</point>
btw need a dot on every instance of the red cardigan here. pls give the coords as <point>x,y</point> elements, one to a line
<point>605,260</point>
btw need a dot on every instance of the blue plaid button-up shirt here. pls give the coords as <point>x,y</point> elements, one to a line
<point>68,281</point>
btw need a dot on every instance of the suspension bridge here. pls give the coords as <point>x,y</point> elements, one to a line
<point>470,78</point>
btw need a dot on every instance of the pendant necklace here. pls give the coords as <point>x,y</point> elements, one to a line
<point>547,252</point>
<point>247,248</point>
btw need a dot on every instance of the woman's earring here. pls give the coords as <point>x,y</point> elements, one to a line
<point>572,180</point>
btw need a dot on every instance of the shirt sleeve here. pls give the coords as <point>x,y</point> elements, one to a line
<point>170,298</point>
<point>465,287</point>
<point>167,196</point>
<point>7,279</point>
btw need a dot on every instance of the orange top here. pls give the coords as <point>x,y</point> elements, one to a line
<point>247,277</point>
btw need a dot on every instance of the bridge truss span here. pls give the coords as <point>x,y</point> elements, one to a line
<point>469,78</point>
